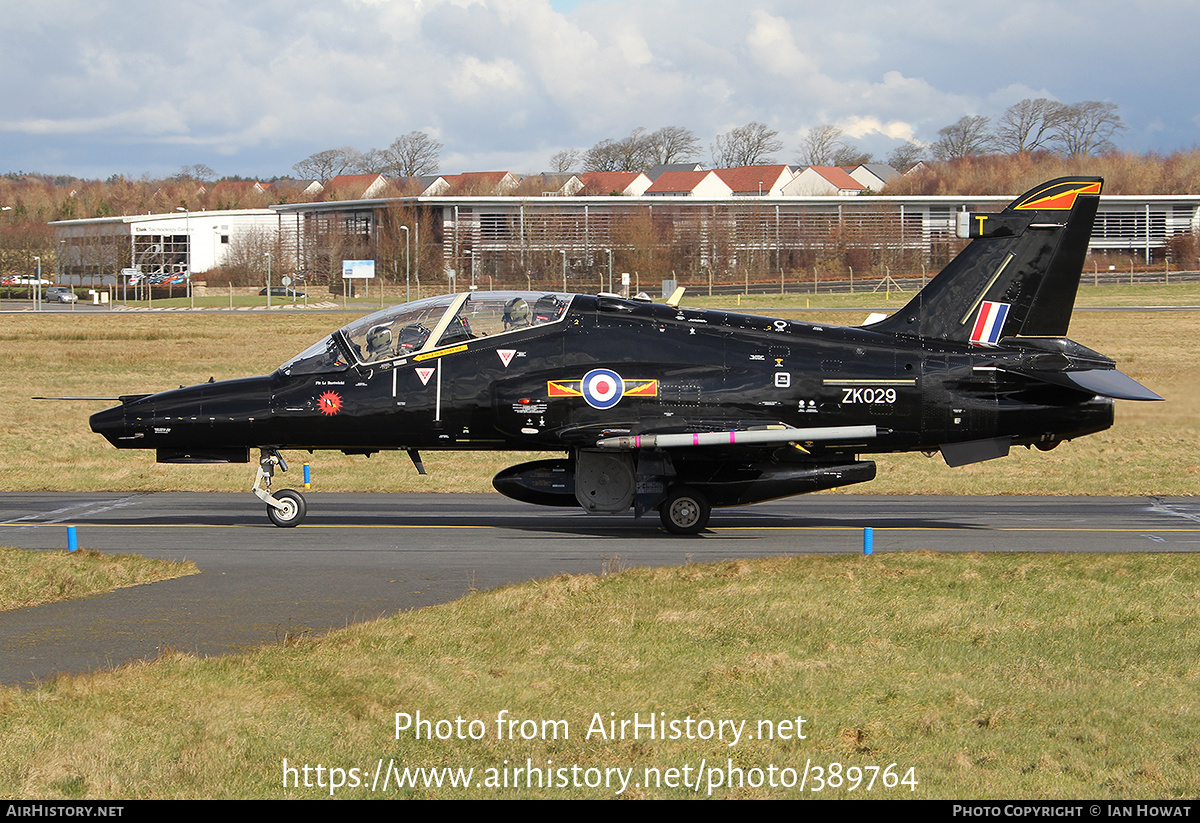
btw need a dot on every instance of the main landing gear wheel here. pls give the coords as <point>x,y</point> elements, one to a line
<point>684,511</point>
<point>293,511</point>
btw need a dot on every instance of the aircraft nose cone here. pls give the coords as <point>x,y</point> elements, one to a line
<point>110,423</point>
<point>228,414</point>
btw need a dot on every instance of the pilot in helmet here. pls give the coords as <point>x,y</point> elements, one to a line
<point>379,341</point>
<point>516,313</point>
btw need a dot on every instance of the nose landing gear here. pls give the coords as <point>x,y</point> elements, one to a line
<point>285,508</point>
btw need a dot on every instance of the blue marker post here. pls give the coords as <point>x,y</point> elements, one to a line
<point>868,540</point>
<point>307,476</point>
<point>72,539</point>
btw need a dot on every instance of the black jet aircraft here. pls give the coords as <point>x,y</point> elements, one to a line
<point>658,407</point>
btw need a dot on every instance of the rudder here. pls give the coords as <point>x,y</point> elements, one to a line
<point>1018,276</point>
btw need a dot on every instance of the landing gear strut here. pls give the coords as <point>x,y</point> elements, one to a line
<point>684,511</point>
<point>285,508</point>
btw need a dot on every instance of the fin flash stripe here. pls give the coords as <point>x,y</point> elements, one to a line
<point>1059,197</point>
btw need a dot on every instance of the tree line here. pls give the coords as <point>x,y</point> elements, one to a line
<point>1083,129</point>
<point>1070,129</point>
<point>410,155</point>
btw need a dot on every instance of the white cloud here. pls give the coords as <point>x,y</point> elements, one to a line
<point>862,126</point>
<point>475,78</point>
<point>774,48</point>
<point>275,80</point>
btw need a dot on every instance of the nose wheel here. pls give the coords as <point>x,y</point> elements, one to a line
<point>290,508</point>
<point>684,511</point>
<point>285,508</point>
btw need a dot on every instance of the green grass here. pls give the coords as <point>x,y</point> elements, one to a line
<point>31,578</point>
<point>997,676</point>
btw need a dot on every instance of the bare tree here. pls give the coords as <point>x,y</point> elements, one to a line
<point>328,164</point>
<point>828,146</point>
<point>967,137</point>
<point>411,155</point>
<point>905,156</point>
<point>634,151</point>
<point>753,144</point>
<point>372,161</point>
<point>672,144</point>
<point>195,173</point>
<point>819,145</point>
<point>639,150</point>
<point>562,162</point>
<point>851,155</point>
<point>1029,125</point>
<point>1087,128</point>
<point>604,156</point>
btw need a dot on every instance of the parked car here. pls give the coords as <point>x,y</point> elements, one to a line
<point>280,291</point>
<point>60,294</point>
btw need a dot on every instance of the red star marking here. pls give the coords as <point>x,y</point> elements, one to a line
<point>329,403</point>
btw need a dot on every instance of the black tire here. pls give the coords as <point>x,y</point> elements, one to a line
<point>293,511</point>
<point>684,511</point>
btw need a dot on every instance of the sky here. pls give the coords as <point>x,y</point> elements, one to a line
<point>93,88</point>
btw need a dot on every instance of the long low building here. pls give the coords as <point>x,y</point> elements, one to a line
<point>507,237</point>
<point>584,240</point>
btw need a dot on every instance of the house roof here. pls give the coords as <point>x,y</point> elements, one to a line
<point>357,185</point>
<point>678,181</point>
<point>752,179</point>
<point>296,188</point>
<point>838,177</point>
<point>483,180</point>
<point>424,184</point>
<point>608,181</point>
<point>658,171</point>
<point>351,180</point>
<point>881,170</point>
<point>239,187</point>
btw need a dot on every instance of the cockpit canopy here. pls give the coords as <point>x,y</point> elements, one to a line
<point>429,324</point>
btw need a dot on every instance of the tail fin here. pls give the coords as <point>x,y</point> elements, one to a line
<point>1018,276</point>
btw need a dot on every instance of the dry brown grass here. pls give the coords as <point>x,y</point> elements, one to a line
<point>31,578</point>
<point>990,676</point>
<point>1123,173</point>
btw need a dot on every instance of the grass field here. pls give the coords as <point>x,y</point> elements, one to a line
<point>974,676</point>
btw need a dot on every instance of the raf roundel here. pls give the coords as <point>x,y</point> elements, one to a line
<point>603,388</point>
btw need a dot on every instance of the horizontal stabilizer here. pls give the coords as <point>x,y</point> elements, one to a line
<point>1111,383</point>
<point>1104,382</point>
